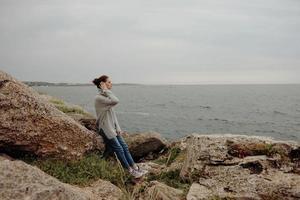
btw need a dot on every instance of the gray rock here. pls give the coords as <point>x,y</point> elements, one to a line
<point>217,174</point>
<point>157,190</point>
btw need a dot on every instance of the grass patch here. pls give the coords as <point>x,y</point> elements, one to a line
<point>170,158</point>
<point>57,101</point>
<point>85,171</point>
<point>65,108</point>
<point>70,109</point>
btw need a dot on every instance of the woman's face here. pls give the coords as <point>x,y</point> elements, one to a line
<point>108,83</point>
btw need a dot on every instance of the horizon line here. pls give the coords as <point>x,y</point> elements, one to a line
<point>154,84</point>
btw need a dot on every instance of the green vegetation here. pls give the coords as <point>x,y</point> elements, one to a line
<point>173,153</point>
<point>57,101</point>
<point>85,171</point>
<point>68,109</point>
<point>171,178</point>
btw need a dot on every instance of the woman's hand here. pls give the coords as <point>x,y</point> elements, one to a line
<point>122,133</point>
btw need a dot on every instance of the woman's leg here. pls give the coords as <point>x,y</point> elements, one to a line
<point>108,150</point>
<point>118,149</point>
<point>126,150</point>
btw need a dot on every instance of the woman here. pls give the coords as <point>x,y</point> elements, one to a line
<point>107,123</point>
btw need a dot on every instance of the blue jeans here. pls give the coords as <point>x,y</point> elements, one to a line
<point>119,146</point>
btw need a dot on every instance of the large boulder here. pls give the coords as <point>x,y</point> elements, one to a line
<point>19,180</point>
<point>240,167</point>
<point>143,144</point>
<point>30,124</point>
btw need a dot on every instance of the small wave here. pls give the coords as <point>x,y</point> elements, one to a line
<point>279,113</point>
<point>172,102</point>
<point>195,106</point>
<point>160,105</point>
<point>205,107</point>
<point>268,131</point>
<point>217,119</point>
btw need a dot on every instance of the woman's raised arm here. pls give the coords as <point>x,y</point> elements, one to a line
<point>109,99</point>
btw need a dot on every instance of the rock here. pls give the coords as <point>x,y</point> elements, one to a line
<point>219,173</point>
<point>157,190</point>
<point>19,180</point>
<point>30,124</point>
<point>103,190</point>
<point>295,154</point>
<point>281,148</point>
<point>199,192</point>
<point>5,157</point>
<point>151,167</point>
<point>257,148</point>
<point>140,145</point>
<point>89,123</point>
<point>255,164</point>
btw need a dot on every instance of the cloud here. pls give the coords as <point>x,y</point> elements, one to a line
<point>167,41</point>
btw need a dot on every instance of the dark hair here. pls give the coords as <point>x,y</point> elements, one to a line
<point>97,81</point>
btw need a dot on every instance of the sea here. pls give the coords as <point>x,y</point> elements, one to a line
<point>175,111</point>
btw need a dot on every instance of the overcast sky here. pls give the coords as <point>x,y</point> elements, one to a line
<point>152,42</point>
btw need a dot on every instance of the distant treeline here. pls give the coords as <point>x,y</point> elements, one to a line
<point>40,83</point>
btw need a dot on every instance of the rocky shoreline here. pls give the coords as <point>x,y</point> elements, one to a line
<point>61,142</point>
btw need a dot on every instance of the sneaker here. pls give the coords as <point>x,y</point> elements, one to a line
<point>135,173</point>
<point>143,171</point>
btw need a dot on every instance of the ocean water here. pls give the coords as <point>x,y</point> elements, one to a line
<point>178,110</point>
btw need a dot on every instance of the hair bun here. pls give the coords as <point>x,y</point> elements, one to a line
<point>97,81</point>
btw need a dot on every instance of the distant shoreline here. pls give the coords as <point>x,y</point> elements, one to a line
<point>68,84</point>
<point>38,83</point>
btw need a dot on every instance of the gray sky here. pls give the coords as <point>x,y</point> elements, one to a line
<point>154,42</point>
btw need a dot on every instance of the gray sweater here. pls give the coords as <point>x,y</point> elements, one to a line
<point>106,116</point>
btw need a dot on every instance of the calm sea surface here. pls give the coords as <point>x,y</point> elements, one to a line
<point>175,111</point>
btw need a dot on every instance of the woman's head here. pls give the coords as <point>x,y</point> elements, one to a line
<point>105,80</point>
